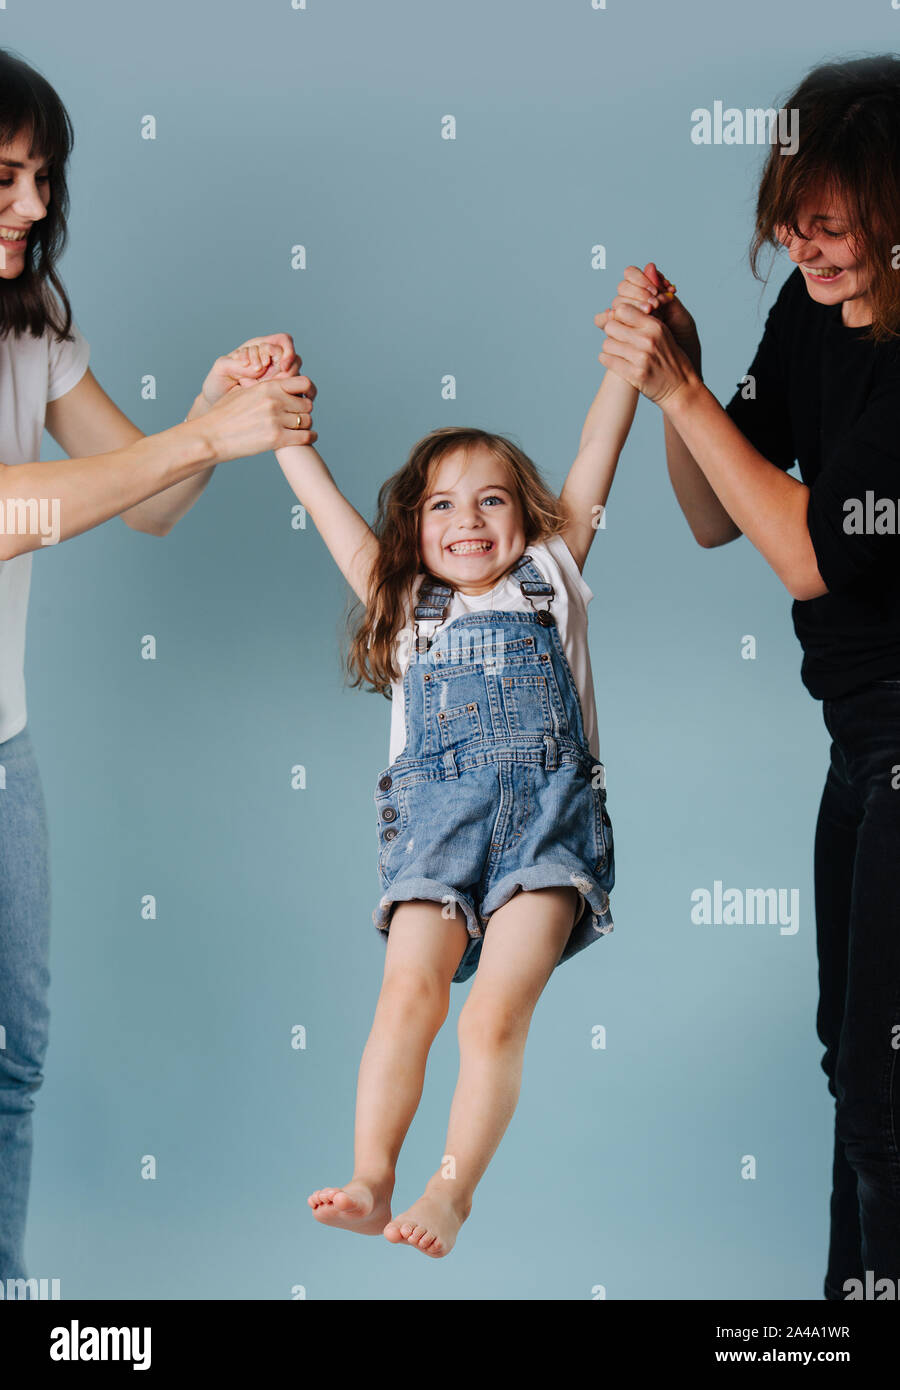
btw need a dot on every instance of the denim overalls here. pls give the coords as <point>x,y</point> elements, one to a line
<point>495,789</point>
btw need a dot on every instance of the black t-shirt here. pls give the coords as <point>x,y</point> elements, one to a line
<point>830,400</point>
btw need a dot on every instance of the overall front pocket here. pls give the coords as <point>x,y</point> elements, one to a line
<point>526,701</point>
<point>458,725</point>
<point>452,701</point>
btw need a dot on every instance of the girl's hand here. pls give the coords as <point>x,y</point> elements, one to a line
<point>258,359</point>
<point>272,416</point>
<point>651,292</point>
<point>642,350</point>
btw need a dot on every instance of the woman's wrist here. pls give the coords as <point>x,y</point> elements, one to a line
<point>684,398</point>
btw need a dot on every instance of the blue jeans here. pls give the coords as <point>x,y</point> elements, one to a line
<point>857,883</point>
<point>24,980</point>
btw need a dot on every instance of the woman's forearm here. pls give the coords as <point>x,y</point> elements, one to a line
<point>709,521</point>
<point>73,495</point>
<point>158,514</point>
<point>764,502</point>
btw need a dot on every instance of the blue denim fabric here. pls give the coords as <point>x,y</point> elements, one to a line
<point>24,981</point>
<point>857,881</point>
<point>494,790</point>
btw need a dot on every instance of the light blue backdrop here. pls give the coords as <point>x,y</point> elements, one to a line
<point>321,127</point>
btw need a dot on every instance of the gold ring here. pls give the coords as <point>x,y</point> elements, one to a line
<point>298,422</point>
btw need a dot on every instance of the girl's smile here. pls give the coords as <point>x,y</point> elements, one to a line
<point>471,527</point>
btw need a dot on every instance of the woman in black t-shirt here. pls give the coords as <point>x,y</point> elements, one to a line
<point>823,390</point>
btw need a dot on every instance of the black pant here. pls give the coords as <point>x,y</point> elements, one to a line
<point>857,881</point>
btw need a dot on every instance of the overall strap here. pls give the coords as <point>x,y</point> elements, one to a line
<point>433,600</point>
<point>534,585</point>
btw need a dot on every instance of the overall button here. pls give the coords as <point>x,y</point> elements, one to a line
<point>546,619</point>
<point>385,783</point>
<point>389,813</point>
<point>390,834</point>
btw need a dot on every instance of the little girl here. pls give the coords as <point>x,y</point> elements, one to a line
<point>496,849</point>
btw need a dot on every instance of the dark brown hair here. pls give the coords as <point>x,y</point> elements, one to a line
<point>372,658</point>
<point>29,104</point>
<point>849,148</point>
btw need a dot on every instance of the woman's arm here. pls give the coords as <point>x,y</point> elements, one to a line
<point>86,421</point>
<point>88,491</point>
<point>767,505</point>
<point>352,542</point>
<point>709,521</point>
<point>590,478</point>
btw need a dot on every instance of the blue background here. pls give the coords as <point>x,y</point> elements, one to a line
<point>278,127</point>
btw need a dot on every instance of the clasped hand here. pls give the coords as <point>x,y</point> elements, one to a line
<point>647,329</point>
<point>256,360</point>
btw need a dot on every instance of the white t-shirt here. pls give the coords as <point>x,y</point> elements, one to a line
<point>569,607</point>
<point>33,371</point>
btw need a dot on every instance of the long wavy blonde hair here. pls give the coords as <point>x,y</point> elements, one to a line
<point>372,659</point>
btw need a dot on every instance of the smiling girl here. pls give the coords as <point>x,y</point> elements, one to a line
<point>495,846</point>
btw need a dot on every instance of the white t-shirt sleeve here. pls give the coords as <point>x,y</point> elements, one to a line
<point>67,363</point>
<point>566,561</point>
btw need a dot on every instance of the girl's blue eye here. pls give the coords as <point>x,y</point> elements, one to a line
<point>492,497</point>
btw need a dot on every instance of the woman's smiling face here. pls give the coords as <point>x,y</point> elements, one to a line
<point>471,528</point>
<point>24,195</point>
<point>829,257</point>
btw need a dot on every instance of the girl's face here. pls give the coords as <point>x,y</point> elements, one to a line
<point>24,195</point>
<point>829,258</point>
<point>471,528</point>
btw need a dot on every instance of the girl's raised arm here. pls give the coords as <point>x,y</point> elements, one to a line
<point>590,478</point>
<point>349,537</point>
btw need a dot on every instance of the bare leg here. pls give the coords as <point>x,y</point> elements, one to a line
<point>423,950</point>
<point>522,945</point>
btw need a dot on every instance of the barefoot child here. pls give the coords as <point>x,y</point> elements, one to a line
<point>496,848</point>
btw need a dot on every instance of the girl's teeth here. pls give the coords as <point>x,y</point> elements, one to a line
<point>824,274</point>
<point>12,236</point>
<point>468,549</point>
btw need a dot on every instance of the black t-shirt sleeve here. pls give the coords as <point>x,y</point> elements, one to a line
<point>851,539</point>
<point>759,407</point>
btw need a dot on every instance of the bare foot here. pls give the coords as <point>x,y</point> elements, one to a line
<point>431,1224</point>
<point>358,1206</point>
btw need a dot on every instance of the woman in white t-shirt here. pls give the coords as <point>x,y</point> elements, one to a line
<point>112,470</point>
